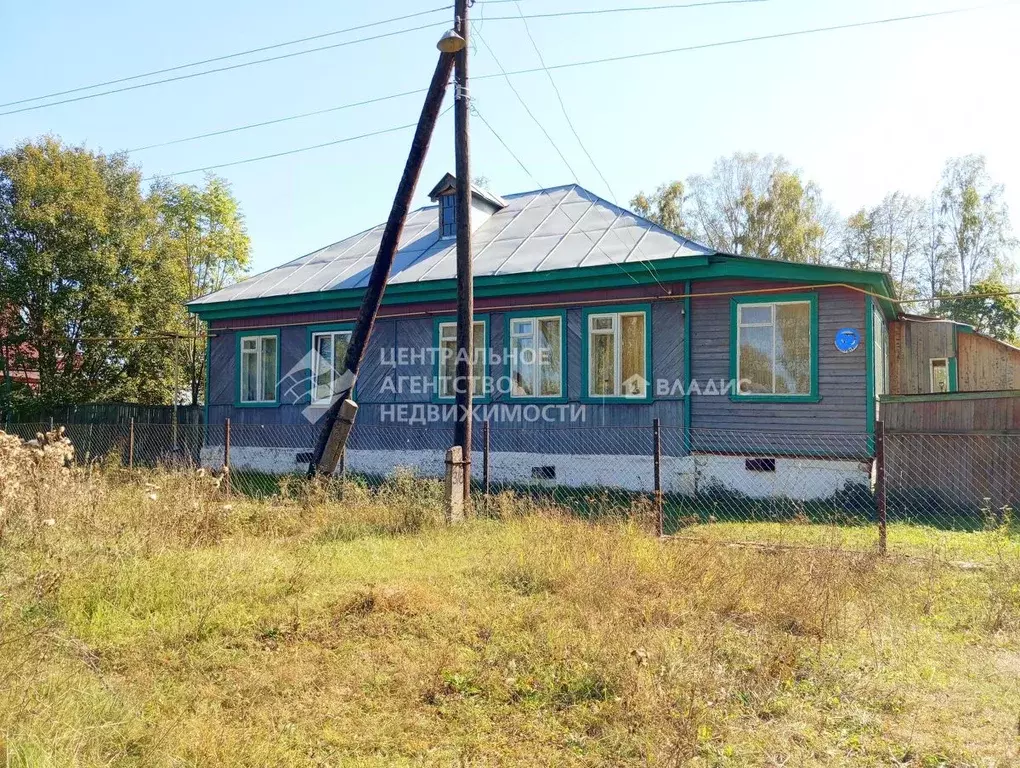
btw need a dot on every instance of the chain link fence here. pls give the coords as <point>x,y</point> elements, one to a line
<point>744,485</point>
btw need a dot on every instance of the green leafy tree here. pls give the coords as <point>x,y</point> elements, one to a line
<point>204,246</point>
<point>975,218</point>
<point>749,205</point>
<point>665,207</point>
<point>988,307</point>
<point>76,271</point>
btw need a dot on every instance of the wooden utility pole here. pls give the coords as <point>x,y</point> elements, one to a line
<point>465,284</point>
<point>335,429</point>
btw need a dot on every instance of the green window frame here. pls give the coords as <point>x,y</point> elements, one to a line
<point>607,323</point>
<point>444,330</point>
<point>252,349</point>
<point>316,332</point>
<point>515,328</point>
<point>739,305</point>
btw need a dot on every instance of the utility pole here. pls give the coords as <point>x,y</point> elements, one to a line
<point>340,417</point>
<point>465,284</point>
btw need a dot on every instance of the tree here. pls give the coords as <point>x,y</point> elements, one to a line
<point>75,271</point>
<point>988,307</point>
<point>749,205</point>
<point>888,237</point>
<point>204,245</point>
<point>665,207</point>
<point>975,216</point>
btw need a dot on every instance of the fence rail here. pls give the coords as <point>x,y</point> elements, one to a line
<point>682,478</point>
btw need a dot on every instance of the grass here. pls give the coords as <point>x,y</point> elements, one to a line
<point>157,623</point>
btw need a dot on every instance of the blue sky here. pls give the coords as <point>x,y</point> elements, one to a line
<point>862,112</point>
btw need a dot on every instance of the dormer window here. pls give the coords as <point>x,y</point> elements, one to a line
<point>447,216</point>
<point>483,205</point>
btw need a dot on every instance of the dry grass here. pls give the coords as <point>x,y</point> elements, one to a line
<point>157,623</point>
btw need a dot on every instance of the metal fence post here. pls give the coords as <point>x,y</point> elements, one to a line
<point>131,444</point>
<point>657,460</point>
<point>880,490</point>
<point>485,460</point>
<point>226,455</point>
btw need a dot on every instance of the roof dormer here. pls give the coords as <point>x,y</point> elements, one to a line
<point>483,205</point>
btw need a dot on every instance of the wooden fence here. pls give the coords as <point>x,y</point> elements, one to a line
<point>108,413</point>
<point>959,452</point>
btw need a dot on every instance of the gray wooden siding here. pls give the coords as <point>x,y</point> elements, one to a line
<point>842,411</point>
<point>632,421</point>
<point>718,423</point>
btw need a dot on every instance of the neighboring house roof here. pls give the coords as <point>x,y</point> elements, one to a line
<point>544,230</point>
<point>19,373</point>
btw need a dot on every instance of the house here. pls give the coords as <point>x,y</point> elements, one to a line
<point>590,323</point>
<point>931,356</point>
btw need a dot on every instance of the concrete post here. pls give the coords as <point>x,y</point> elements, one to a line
<point>455,485</point>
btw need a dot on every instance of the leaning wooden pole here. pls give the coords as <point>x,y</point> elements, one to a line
<point>339,418</point>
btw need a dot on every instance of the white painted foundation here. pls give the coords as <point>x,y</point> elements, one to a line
<point>801,479</point>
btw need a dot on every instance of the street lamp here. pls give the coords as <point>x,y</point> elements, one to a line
<point>451,42</point>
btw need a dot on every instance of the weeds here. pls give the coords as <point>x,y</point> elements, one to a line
<point>160,621</point>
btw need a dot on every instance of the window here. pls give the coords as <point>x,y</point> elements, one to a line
<point>880,362</point>
<point>447,216</point>
<point>775,348</point>
<point>330,349</point>
<point>939,374</point>
<point>259,368</point>
<point>448,359</point>
<point>617,354</point>
<point>536,356</point>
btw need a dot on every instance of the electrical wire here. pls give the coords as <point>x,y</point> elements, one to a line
<point>562,14</point>
<point>755,39</point>
<point>191,75</point>
<point>345,140</point>
<point>524,104</point>
<point>629,9</point>
<point>559,66</point>
<point>563,106</point>
<point>480,116</point>
<point>224,57</point>
<point>277,120</point>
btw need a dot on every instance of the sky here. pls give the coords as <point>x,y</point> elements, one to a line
<point>862,112</point>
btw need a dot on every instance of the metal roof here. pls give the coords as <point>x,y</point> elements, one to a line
<point>547,229</point>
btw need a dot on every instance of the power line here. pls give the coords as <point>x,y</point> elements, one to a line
<point>629,9</point>
<point>563,105</point>
<point>524,104</point>
<point>474,110</point>
<point>247,160</point>
<point>277,120</point>
<point>562,14</point>
<point>224,57</point>
<point>756,39</point>
<point>590,62</point>
<point>225,69</point>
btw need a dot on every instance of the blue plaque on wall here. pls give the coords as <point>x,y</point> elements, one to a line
<point>847,339</point>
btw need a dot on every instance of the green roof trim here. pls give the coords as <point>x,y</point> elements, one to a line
<point>677,270</point>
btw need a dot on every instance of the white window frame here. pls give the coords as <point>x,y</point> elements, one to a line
<point>475,374</point>
<point>931,375</point>
<point>316,358</point>
<point>772,323</point>
<point>535,335</point>
<point>616,330</point>
<point>258,354</point>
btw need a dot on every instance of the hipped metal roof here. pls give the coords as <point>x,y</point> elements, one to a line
<point>548,229</point>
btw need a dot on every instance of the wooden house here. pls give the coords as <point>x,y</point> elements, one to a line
<point>591,322</point>
<point>933,356</point>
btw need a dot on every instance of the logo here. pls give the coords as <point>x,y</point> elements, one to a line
<point>847,339</point>
<point>317,383</point>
